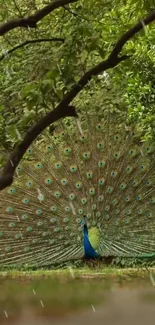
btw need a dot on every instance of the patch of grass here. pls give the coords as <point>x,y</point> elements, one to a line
<point>77,272</point>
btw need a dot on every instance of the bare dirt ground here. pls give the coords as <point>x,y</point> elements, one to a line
<point>124,306</point>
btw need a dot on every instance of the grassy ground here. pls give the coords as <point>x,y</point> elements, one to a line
<point>73,272</point>
<point>56,294</point>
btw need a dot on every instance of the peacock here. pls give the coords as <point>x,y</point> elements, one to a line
<point>85,191</point>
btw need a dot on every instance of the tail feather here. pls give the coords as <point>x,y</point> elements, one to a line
<point>96,169</point>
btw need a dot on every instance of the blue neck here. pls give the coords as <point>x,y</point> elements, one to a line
<point>90,253</point>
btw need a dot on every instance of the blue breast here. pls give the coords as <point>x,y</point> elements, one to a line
<point>90,252</point>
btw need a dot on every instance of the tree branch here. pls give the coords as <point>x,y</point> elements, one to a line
<point>39,40</point>
<point>31,21</point>
<point>7,175</point>
<point>63,109</point>
<point>131,32</point>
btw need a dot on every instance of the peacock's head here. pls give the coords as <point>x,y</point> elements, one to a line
<point>83,223</point>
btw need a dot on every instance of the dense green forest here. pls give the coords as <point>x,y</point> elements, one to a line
<point>96,55</point>
<point>38,66</point>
